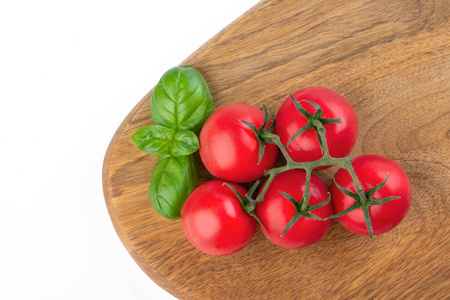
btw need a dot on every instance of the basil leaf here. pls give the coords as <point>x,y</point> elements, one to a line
<point>154,139</point>
<point>185,142</point>
<point>181,100</point>
<point>172,180</point>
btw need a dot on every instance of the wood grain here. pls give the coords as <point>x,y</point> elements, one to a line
<point>391,60</point>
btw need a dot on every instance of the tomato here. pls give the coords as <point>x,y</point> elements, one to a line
<point>275,211</point>
<point>340,137</point>
<point>229,149</point>
<point>372,170</point>
<point>214,221</point>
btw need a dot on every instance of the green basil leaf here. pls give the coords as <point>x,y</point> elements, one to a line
<point>172,180</point>
<point>154,139</point>
<point>181,100</point>
<point>185,142</point>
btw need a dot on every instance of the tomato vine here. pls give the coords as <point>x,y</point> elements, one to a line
<point>316,122</point>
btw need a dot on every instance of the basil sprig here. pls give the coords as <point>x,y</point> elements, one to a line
<point>180,104</point>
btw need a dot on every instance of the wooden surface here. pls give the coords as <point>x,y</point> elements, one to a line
<point>391,60</point>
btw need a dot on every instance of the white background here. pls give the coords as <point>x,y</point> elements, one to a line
<point>70,72</point>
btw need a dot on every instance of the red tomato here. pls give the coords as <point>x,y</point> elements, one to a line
<point>229,149</point>
<point>372,170</point>
<point>214,221</point>
<point>275,211</point>
<point>341,137</point>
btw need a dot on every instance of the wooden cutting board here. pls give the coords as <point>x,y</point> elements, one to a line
<point>391,60</point>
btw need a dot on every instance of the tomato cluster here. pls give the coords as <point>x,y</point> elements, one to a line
<point>314,128</point>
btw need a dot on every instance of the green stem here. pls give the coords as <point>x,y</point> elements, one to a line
<point>363,199</point>
<point>320,130</point>
<point>260,197</point>
<point>275,139</point>
<point>306,193</point>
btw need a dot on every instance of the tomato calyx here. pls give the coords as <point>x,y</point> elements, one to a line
<point>302,209</point>
<point>247,202</point>
<point>315,121</point>
<point>261,132</point>
<point>363,200</point>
